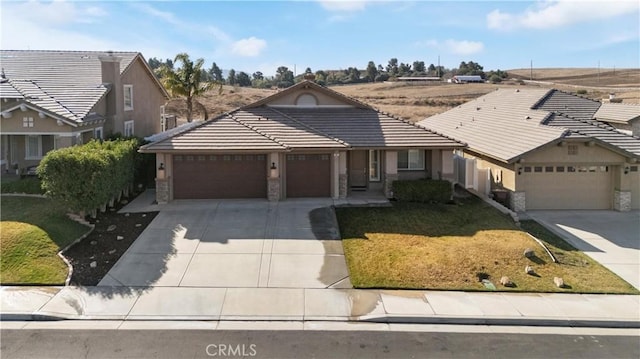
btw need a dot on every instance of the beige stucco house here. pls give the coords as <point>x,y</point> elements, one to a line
<point>55,99</point>
<point>544,149</point>
<point>304,141</point>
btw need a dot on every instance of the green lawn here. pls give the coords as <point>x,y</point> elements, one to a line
<point>32,231</point>
<point>453,247</point>
<point>30,185</point>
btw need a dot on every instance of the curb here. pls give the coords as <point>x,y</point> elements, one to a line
<point>442,320</point>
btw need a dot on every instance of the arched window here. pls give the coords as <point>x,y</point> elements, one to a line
<point>307,100</point>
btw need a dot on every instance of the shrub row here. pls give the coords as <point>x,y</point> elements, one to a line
<point>423,190</point>
<point>87,177</point>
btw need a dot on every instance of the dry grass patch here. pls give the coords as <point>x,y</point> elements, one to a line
<point>453,247</point>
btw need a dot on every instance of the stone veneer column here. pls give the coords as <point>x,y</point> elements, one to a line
<point>622,200</point>
<point>273,189</point>
<point>162,191</point>
<point>342,189</point>
<point>517,201</point>
<point>388,184</point>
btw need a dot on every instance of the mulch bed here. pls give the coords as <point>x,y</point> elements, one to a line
<point>102,244</point>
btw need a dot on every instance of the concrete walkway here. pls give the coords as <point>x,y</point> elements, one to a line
<point>288,304</point>
<point>609,237</point>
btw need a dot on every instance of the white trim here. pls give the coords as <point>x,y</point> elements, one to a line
<point>28,122</point>
<point>39,110</point>
<point>26,148</point>
<point>127,89</point>
<point>318,106</point>
<point>133,129</point>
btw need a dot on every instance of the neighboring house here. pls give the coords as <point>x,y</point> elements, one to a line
<point>544,149</point>
<point>55,99</point>
<point>304,141</point>
<point>625,117</point>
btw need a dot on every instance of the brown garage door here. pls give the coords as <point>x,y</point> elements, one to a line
<point>308,175</point>
<point>219,176</point>
<point>567,187</point>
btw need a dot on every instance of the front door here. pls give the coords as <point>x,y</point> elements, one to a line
<point>358,169</point>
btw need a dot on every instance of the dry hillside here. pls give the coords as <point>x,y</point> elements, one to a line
<point>418,101</point>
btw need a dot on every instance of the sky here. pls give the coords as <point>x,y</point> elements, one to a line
<point>263,35</point>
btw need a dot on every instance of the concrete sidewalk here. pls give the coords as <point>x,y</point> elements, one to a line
<point>287,304</point>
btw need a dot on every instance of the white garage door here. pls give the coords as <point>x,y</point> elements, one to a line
<point>567,187</point>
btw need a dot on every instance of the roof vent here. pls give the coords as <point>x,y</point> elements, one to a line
<point>517,90</point>
<point>477,108</point>
<point>527,118</point>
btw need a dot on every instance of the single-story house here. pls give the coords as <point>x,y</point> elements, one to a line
<point>304,141</point>
<point>544,149</point>
<point>55,99</point>
<point>463,79</point>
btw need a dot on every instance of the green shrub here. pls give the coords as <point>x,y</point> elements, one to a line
<point>30,185</point>
<point>494,79</point>
<point>424,191</point>
<point>581,92</point>
<point>88,176</point>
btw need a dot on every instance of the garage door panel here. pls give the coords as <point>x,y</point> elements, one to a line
<point>567,187</point>
<point>219,176</point>
<point>308,175</point>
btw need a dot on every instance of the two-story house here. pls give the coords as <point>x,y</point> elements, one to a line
<point>55,99</point>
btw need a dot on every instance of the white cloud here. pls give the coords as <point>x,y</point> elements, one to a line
<point>249,47</point>
<point>343,5</point>
<point>557,13</point>
<point>464,47</point>
<point>457,47</point>
<point>53,13</point>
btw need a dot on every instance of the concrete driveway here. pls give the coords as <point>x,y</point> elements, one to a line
<point>236,243</point>
<point>611,238</point>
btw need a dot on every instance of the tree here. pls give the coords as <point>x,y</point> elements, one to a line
<point>431,70</point>
<point>186,81</point>
<point>231,77</point>
<point>257,76</point>
<point>418,66</point>
<point>284,77</point>
<point>353,74</point>
<point>216,73</point>
<point>404,69</point>
<point>392,67</point>
<point>242,79</point>
<point>372,71</point>
<point>470,68</point>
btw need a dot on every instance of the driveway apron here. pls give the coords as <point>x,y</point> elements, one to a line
<point>236,243</point>
<point>609,237</point>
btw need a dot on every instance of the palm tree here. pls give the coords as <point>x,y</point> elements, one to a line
<point>186,81</point>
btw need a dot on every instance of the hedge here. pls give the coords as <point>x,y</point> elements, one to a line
<point>86,177</point>
<point>423,190</point>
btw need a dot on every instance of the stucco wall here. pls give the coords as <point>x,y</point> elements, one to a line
<point>14,124</point>
<point>502,175</point>
<point>290,99</point>
<point>593,154</point>
<point>147,99</point>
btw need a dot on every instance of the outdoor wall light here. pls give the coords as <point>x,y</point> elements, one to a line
<point>519,170</point>
<point>161,171</point>
<point>274,170</point>
<point>626,170</point>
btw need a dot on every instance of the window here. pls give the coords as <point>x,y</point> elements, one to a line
<point>548,169</point>
<point>27,122</point>
<point>411,160</point>
<point>633,168</point>
<point>374,165</point>
<point>571,169</point>
<point>128,129</point>
<point>128,97</point>
<point>537,169</point>
<point>572,150</point>
<point>527,169</point>
<point>559,168</point>
<point>97,133</point>
<point>33,148</point>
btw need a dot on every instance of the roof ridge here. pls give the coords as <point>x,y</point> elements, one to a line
<point>397,118</point>
<point>342,142</point>
<point>252,128</point>
<point>542,99</point>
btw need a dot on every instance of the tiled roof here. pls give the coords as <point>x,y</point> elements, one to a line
<point>294,128</point>
<point>221,134</point>
<point>617,112</point>
<point>368,128</point>
<point>507,123</point>
<point>568,104</point>
<point>66,83</point>
<point>598,130</point>
<point>500,124</point>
